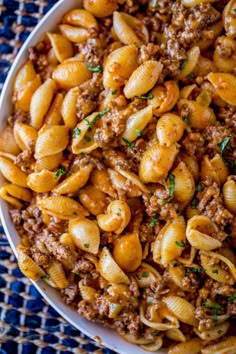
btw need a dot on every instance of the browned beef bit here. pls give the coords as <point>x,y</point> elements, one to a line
<point>91,51</point>
<point>83,265</point>
<point>147,52</point>
<point>18,116</point>
<point>15,215</point>
<point>149,229</point>
<point>87,99</point>
<point>40,258</point>
<point>60,251</point>
<point>87,310</point>
<point>211,205</point>
<point>38,56</point>
<point>25,160</point>
<point>214,135</point>
<point>193,143</point>
<point>205,320</point>
<point>70,294</point>
<point>156,206</point>
<point>191,281</point>
<point>228,115</point>
<point>231,308</point>
<point>133,287</point>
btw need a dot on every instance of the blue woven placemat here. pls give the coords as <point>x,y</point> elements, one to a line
<point>28,325</point>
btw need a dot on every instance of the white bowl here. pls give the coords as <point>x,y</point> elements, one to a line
<point>108,337</point>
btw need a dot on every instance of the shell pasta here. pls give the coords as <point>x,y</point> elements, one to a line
<point>119,161</point>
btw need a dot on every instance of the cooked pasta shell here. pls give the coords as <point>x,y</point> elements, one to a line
<point>127,252</point>
<point>41,182</point>
<point>176,335</point>
<point>12,173</point>
<point>177,274</point>
<point>71,73</point>
<point>192,346</point>
<point>27,266</point>
<point>40,102</point>
<point>136,123</point>
<point>81,18</point>
<point>192,164</point>
<point>67,240</point>
<point>63,49</point>
<point>156,162</point>
<point>119,66</point>
<point>85,234</point>
<point>215,271</point>
<point>53,117</point>
<point>129,29</point>
<point>24,95</point>
<point>153,347</point>
<point>13,194</point>
<point>87,292</point>
<point>57,274</point>
<point>25,135</point>
<point>93,199</point>
<point>170,128</point>
<point>191,62</point>
<point>172,240</point>
<point>117,217</point>
<point>8,143</point>
<point>61,207</point>
<point>181,308</point>
<point>213,333</point>
<point>164,99</point>
<point>199,231</point>
<point>74,34</point>
<point>225,346</point>
<point>101,181</point>
<point>184,183</point>
<point>133,179</point>
<point>69,107</point>
<point>74,182</point>
<point>229,194</point>
<point>109,269</point>
<point>214,168</point>
<point>199,116</point>
<point>51,140</point>
<point>48,162</point>
<point>191,3</point>
<point>26,74</point>
<point>143,78</point>
<point>229,20</point>
<point>163,313</point>
<point>223,63</point>
<point>100,8</point>
<point>223,83</point>
<point>84,140</point>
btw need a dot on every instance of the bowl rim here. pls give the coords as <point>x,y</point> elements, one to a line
<point>107,337</point>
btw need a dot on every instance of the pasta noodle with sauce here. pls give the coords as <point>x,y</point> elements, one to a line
<point>119,158</point>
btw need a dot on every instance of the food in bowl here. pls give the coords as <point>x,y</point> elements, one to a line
<point>120,167</point>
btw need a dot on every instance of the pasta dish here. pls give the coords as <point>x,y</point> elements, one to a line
<point>119,160</point>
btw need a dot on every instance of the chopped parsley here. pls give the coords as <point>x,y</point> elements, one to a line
<point>215,271</point>
<point>180,243</point>
<point>149,96</point>
<point>194,203</point>
<point>232,298</point>
<point>44,276</point>
<point>193,270</point>
<point>153,222</point>
<point>219,331</point>
<point>223,144</point>
<point>86,245</point>
<point>95,69</point>
<point>145,274</point>
<point>171,178</point>
<point>234,10</point>
<point>97,117</point>
<point>183,64</point>
<point>87,138</point>
<point>74,213</point>
<point>176,265</point>
<point>186,120</point>
<point>128,143</point>
<point>216,308</point>
<point>76,132</point>
<point>191,75</point>
<point>155,333</point>
<point>139,132</point>
<point>119,209</point>
<point>61,171</point>
<point>82,154</point>
<point>200,187</point>
<point>113,92</point>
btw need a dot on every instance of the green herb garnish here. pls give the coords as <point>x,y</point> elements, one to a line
<point>149,96</point>
<point>61,171</point>
<point>183,64</point>
<point>155,333</point>
<point>193,270</point>
<point>113,92</point>
<point>87,138</point>
<point>216,308</point>
<point>74,213</point>
<point>82,154</point>
<point>97,117</point>
<point>153,222</point>
<point>200,187</point>
<point>95,69</point>
<point>186,120</point>
<point>176,265</point>
<point>223,144</point>
<point>215,271</point>
<point>86,245</point>
<point>219,331</point>
<point>76,132</point>
<point>44,276</point>
<point>128,143</point>
<point>194,203</point>
<point>145,274</point>
<point>232,298</point>
<point>191,75</point>
<point>139,132</point>
<point>171,178</point>
<point>180,243</point>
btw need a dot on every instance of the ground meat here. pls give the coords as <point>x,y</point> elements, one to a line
<point>32,220</point>
<point>25,161</point>
<point>15,215</point>
<point>191,282</point>
<point>204,321</point>
<point>154,207</point>
<point>91,51</point>
<point>60,251</point>
<point>40,258</point>
<point>83,265</point>
<point>133,287</point>
<point>231,308</point>
<point>40,61</point>
<point>213,135</point>
<point>211,205</point>
<point>87,310</point>
<point>148,233</point>
<point>115,158</point>
<point>70,294</point>
<point>147,52</point>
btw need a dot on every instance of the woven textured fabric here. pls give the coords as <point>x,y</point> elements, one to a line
<point>27,324</point>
